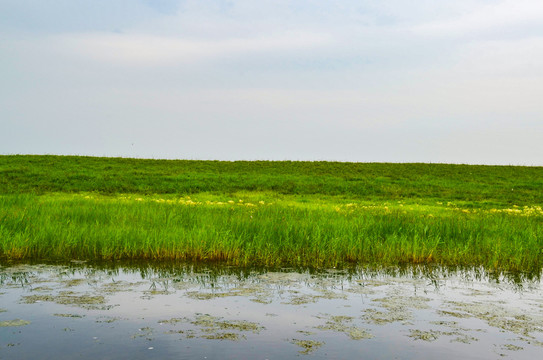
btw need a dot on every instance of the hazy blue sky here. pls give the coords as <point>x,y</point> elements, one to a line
<point>372,80</point>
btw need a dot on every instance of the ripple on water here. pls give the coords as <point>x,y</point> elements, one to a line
<point>327,312</point>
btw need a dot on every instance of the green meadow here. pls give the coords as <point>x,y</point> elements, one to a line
<point>271,213</point>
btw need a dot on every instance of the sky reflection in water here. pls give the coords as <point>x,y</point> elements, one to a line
<point>185,311</point>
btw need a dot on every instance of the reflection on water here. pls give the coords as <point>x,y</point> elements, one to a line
<point>188,311</point>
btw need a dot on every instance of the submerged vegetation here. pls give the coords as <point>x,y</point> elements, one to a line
<point>317,214</point>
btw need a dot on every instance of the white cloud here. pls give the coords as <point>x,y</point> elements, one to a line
<point>141,49</point>
<point>501,15</point>
<point>518,58</point>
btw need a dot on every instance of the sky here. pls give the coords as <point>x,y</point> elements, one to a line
<point>363,81</point>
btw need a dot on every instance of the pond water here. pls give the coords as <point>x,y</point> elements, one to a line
<point>182,311</point>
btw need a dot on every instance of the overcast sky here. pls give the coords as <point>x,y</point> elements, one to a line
<point>367,80</point>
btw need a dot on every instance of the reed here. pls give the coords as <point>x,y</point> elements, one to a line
<point>263,228</point>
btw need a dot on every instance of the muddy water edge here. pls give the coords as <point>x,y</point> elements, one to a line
<point>189,311</point>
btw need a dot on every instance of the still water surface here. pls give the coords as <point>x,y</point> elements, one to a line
<point>191,312</point>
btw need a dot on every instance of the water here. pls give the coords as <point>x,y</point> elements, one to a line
<point>188,312</point>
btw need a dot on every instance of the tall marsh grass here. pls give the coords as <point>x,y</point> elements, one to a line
<point>275,231</point>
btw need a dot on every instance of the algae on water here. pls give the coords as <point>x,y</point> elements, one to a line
<point>210,323</point>
<point>69,315</point>
<point>308,346</point>
<point>65,298</point>
<point>397,308</point>
<point>224,336</point>
<point>343,324</point>
<point>423,335</point>
<point>16,322</point>
<point>213,328</point>
<point>498,316</point>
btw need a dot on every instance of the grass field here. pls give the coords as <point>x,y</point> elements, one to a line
<point>317,214</point>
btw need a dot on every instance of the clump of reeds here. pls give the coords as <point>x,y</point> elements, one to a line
<point>284,230</point>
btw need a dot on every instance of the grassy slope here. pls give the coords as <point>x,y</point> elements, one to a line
<point>482,185</point>
<point>307,213</point>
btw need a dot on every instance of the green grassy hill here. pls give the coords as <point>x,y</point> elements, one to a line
<point>274,213</point>
<point>481,185</point>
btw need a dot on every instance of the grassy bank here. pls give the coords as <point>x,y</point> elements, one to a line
<point>271,213</point>
<point>479,185</point>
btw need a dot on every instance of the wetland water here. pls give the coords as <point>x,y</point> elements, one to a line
<point>187,312</point>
